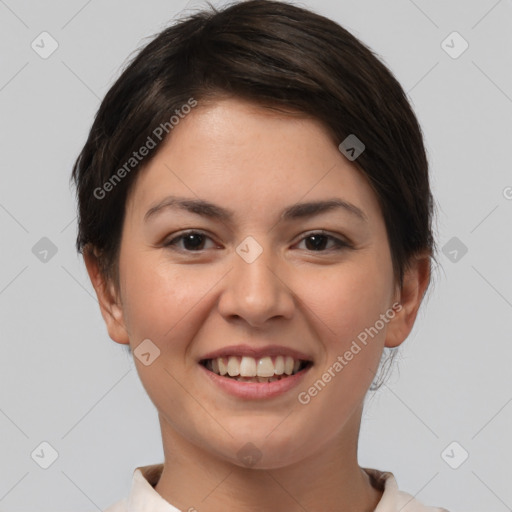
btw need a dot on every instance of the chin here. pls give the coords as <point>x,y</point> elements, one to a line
<point>263,447</point>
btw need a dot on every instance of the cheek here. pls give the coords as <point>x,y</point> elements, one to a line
<point>346,308</point>
<point>166,304</point>
<point>347,299</point>
<point>162,301</point>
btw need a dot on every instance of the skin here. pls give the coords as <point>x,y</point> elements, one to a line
<point>257,162</point>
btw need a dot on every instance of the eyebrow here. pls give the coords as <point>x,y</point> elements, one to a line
<point>213,211</point>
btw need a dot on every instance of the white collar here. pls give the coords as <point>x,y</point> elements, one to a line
<point>144,498</point>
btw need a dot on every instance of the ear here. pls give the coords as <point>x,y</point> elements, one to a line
<point>410,296</point>
<point>110,304</point>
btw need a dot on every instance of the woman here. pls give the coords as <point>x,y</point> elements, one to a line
<point>255,216</point>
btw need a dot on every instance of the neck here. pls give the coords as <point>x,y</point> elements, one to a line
<point>194,479</point>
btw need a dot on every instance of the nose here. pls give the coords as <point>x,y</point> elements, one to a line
<point>255,292</point>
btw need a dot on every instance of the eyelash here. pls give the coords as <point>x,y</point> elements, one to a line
<point>338,243</point>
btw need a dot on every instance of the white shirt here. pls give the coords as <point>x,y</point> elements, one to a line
<point>144,498</point>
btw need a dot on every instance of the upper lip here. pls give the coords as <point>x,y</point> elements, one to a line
<point>257,353</point>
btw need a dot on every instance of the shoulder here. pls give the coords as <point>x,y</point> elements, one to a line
<point>120,506</point>
<point>142,495</point>
<point>393,499</point>
<point>408,503</point>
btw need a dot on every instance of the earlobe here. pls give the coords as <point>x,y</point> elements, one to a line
<point>415,283</point>
<point>108,299</point>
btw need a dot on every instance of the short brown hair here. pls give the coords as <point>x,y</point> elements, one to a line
<point>273,54</point>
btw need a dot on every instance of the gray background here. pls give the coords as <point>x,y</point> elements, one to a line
<point>65,382</point>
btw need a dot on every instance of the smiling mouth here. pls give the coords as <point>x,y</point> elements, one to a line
<point>250,369</point>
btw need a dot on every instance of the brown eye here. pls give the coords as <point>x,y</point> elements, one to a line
<point>318,242</point>
<point>190,241</point>
<point>193,241</point>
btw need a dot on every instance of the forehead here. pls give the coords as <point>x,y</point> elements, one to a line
<point>253,159</point>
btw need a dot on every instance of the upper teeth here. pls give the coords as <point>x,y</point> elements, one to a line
<point>250,367</point>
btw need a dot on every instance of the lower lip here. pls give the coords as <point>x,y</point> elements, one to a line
<point>256,390</point>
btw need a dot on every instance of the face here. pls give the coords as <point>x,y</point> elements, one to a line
<point>273,245</point>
